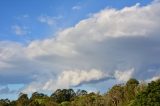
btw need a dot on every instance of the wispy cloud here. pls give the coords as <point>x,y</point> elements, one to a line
<point>19,30</point>
<point>25,16</point>
<point>21,17</point>
<point>49,20</point>
<point>77,7</point>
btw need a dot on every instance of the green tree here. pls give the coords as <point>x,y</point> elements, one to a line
<point>22,100</point>
<point>37,95</point>
<point>63,95</point>
<point>34,103</point>
<point>115,96</point>
<point>149,97</point>
<point>81,92</point>
<point>12,103</point>
<point>131,90</point>
<point>132,81</point>
<point>4,102</point>
<point>91,99</point>
<point>66,103</point>
<point>51,103</point>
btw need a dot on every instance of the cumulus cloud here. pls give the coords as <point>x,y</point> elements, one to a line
<point>67,79</point>
<point>76,77</point>
<point>124,75</point>
<point>118,43</point>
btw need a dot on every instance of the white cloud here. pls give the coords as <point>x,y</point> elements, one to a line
<point>77,7</point>
<point>124,75</point>
<point>154,78</point>
<point>48,19</point>
<point>19,30</point>
<point>67,79</point>
<point>76,77</point>
<point>126,40</point>
<point>25,16</point>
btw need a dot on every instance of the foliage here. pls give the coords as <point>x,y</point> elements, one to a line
<point>132,93</point>
<point>22,100</point>
<point>63,95</point>
<point>90,99</point>
<point>149,97</point>
<point>4,102</point>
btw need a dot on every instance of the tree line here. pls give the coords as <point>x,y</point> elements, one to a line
<point>132,93</point>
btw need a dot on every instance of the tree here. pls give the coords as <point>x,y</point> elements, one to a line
<point>91,99</point>
<point>4,102</point>
<point>132,81</point>
<point>115,96</point>
<point>34,103</point>
<point>81,92</point>
<point>63,95</point>
<point>131,90</point>
<point>12,103</point>
<point>130,94</point>
<point>37,95</point>
<point>22,100</point>
<point>121,95</point>
<point>149,97</point>
<point>51,103</point>
<point>66,103</point>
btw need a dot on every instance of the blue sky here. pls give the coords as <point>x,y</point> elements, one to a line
<point>47,42</point>
<point>25,13</point>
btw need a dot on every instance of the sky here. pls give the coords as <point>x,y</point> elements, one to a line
<point>79,44</point>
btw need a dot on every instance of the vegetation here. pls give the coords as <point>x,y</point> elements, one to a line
<point>132,93</point>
